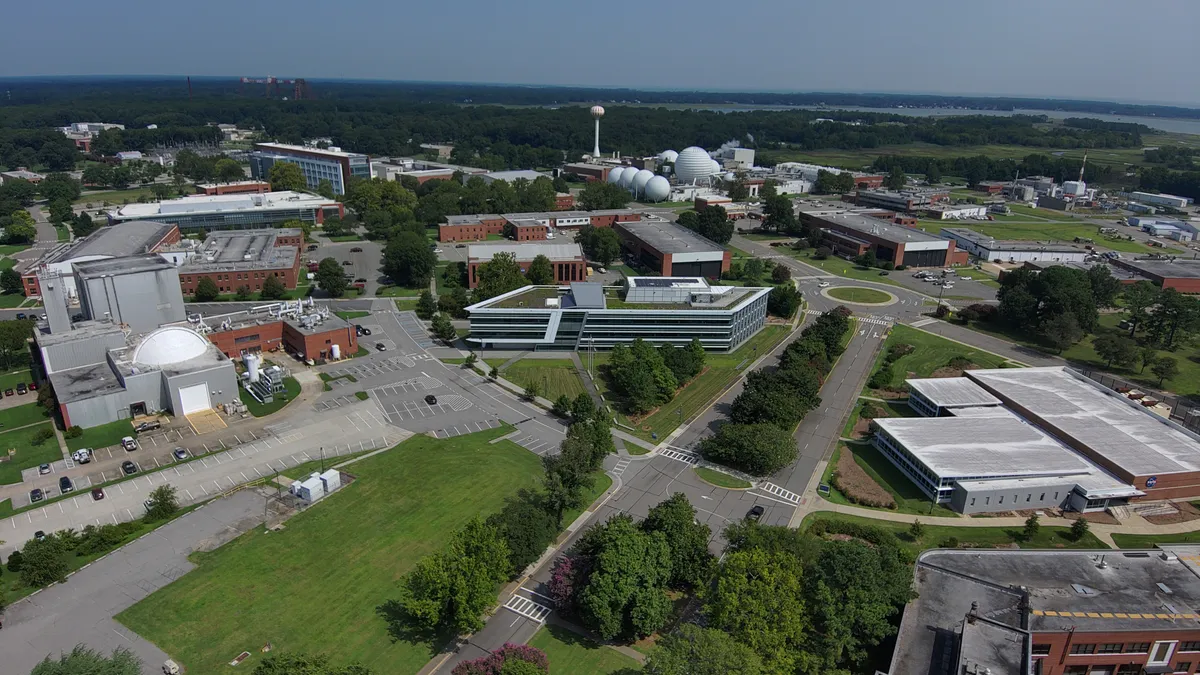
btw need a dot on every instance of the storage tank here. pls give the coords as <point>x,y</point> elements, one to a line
<point>252,362</point>
<point>693,164</point>
<point>614,176</point>
<point>337,352</point>
<point>657,189</point>
<point>640,179</point>
<point>627,177</point>
<point>668,156</point>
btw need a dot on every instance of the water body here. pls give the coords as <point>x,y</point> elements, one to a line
<point>1178,126</point>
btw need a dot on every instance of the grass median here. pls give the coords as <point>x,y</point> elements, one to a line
<point>569,652</point>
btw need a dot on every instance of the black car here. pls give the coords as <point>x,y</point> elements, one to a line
<point>64,485</point>
<point>347,263</point>
<point>356,249</point>
<point>366,331</point>
<point>129,468</point>
<point>22,389</point>
<point>755,513</point>
<point>380,346</point>
<point>20,316</point>
<point>36,495</point>
<point>39,535</point>
<point>431,399</point>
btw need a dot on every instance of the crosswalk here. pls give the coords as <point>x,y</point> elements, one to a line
<point>679,456</point>
<point>528,608</point>
<point>785,495</point>
<point>885,321</point>
<point>622,464</point>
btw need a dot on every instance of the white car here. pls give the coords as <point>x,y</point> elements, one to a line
<point>437,250</point>
<point>932,279</point>
<point>82,455</point>
<point>823,284</point>
<point>129,444</point>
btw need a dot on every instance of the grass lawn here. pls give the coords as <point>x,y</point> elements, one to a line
<point>554,377</point>
<point>352,315</point>
<point>909,499</point>
<point>722,369</point>
<point>406,304</point>
<point>398,292</point>
<point>12,378</point>
<point>96,199</point>
<point>26,453</point>
<point>22,415</point>
<point>855,159</point>
<point>854,294</point>
<point>342,237</point>
<point>62,233</point>
<point>102,436</point>
<point>1064,231</point>
<point>769,236</point>
<point>840,267</point>
<point>569,652</point>
<point>307,468</point>
<point>931,352</point>
<point>9,249</point>
<point>979,537</point>
<point>720,478</point>
<point>355,547</point>
<point>10,300</point>
<point>1152,540</point>
<point>291,390</point>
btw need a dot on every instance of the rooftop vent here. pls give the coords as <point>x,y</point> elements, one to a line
<point>1164,588</point>
<point>1080,589</point>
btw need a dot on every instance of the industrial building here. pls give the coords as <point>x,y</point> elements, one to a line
<point>330,164</point>
<point>510,176</point>
<point>584,315</point>
<point>1182,275</point>
<point>988,248</point>
<point>565,259</point>
<point>810,172</point>
<point>21,173</point>
<point>118,241</point>
<point>957,212</point>
<point>1052,612</point>
<point>672,250</point>
<point>395,168</point>
<point>231,211</point>
<point>1030,438</point>
<point>904,201</point>
<point>853,233</point>
<point>588,171</point>
<point>299,328</point>
<point>244,258</point>
<point>1154,199</point>
<point>479,226</point>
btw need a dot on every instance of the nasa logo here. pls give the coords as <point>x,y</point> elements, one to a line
<point>1151,481</point>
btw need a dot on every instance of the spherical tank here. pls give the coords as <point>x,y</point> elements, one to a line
<point>714,167</point>
<point>597,111</point>
<point>627,177</point>
<point>730,177</point>
<point>668,156</point>
<point>692,164</point>
<point>657,189</point>
<point>640,179</point>
<point>614,176</point>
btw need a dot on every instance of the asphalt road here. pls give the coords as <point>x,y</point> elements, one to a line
<point>81,610</point>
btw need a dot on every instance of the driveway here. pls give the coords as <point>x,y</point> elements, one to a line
<point>81,610</point>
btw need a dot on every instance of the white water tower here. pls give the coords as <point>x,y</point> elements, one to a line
<point>597,113</point>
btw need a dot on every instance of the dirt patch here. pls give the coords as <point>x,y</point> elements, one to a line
<point>862,429</point>
<point>1098,517</point>
<point>1186,512</point>
<point>993,514</point>
<point>1045,513</point>
<point>889,395</point>
<point>858,486</point>
<point>947,371</point>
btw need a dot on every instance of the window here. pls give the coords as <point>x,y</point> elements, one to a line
<point>1160,653</point>
<point>1041,650</point>
<point>1075,670</point>
<point>1130,669</point>
<point>1083,649</point>
<point>1110,648</point>
<point>972,501</point>
<point>1193,646</point>
<point>1042,498</point>
<point>1137,648</point>
<point>1183,667</point>
<point>1001,499</point>
<point>1029,496</point>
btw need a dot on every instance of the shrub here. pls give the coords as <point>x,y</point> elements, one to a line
<point>898,350</point>
<point>494,663</point>
<point>960,362</point>
<point>73,432</point>
<point>900,268</point>
<point>950,542</point>
<point>983,312</point>
<point>882,378</point>
<point>562,406</point>
<point>887,265</point>
<point>822,252</point>
<point>42,435</point>
<point>869,411</point>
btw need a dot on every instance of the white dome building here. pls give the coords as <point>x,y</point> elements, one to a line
<point>693,164</point>
<point>657,189</point>
<point>170,345</point>
<point>714,167</point>
<point>639,181</point>
<point>614,176</point>
<point>668,156</point>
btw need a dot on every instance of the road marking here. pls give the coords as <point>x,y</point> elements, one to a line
<point>205,489</point>
<point>786,495</point>
<point>685,457</point>
<point>621,466</point>
<point>528,608</point>
<point>189,494</point>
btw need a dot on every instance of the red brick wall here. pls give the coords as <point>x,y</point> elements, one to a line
<point>267,337</point>
<point>564,202</point>
<point>531,232</point>
<point>1060,658</point>
<point>666,265</point>
<point>258,187</point>
<point>320,345</point>
<point>565,271</point>
<point>868,181</point>
<point>473,232</point>
<point>1183,285</point>
<point>290,240</point>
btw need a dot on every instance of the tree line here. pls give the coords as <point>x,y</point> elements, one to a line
<point>647,377</point>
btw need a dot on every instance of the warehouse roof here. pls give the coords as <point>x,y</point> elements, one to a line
<point>115,241</point>
<point>127,265</point>
<point>668,237</point>
<point>206,204</point>
<point>992,244</point>
<point>952,391</point>
<point>1108,424</point>
<point>879,228</point>
<point>1166,269</point>
<point>525,251</point>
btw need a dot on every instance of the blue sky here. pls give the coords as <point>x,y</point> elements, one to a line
<point>1100,49</point>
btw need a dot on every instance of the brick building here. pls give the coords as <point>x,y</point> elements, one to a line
<point>589,172</point>
<point>672,250</point>
<point>566,259</point>
<point>1052,612</point>
<point>853,233</point>
<point>238,187</point>
<point>564,201</point>
<point>1182,275</point>
<point>244,258</point>
<point>902,201</point>
<point>477,227</point>
<point>249,333</point>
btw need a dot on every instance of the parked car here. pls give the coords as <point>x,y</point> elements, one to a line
<point>97,494</point>
<point>129,468</point>
<point>883,273</point>
<point>179,454</point>
<point>366,331</point>
<point>39,535</point>
<point>129,444</point>
<point>33,386</point>
<point>82,455</point>
<point>360,280</point>
<point>358,330</point>
<point>431,399</point>
<point>755,512</point>
<point>43,469</point>
<point>9,392</point>
<point>380,346</point>
<point>347,263</point>
<point>148,504</point>
<point>148,426</point>
<point>64,485</point>
<point>356,249</point>
<point>311,247</point>
<point>36,495</point>
<point>823,284</point>
<point>22,389</point>
<point>460,246</point>
<point>20,315</point>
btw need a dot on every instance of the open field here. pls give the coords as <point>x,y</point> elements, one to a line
<point>978,537</point>
<point>1152,540</point>
<point>101,436</point>
<point>930,353</point>
<point>721,370</point>
<point>355,546</point>
<point>352,315</point>
<point>291,391</point>
<point>855,159</point>
<point>398,292</point>
<point>554,377</point>
<point>26,453</point>
<point>129,196</point>
<point>1058,231</point>
<point>569,652</point>
<point>840,267</point>
<point>858,294</point>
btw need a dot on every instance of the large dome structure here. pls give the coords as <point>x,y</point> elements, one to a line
<point>657,189</point>
<point>640,179</point>
<point>627,177</point>
<point>614,176</point>
<point>668,156</point>
<point>170,345</point>
<point>714,167</point>
<point>693,164</point>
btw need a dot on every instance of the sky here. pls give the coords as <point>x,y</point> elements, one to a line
<point>1127,50</point>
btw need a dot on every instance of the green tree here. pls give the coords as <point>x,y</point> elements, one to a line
<point>781,274</point>
<point>1105,287</point>
<point>61,212</point>
<point>917,530</point>
<point>1061,331</point>
<point>1032,525</point>
<point>22,229</point>
<point>1115,349</point>
<point>82,225</point>
<point>108,142</point>
<point>1165,368</point>
<point>409,260</point>
<point>781,397</point>
<point>163,503</point>
<point>562,406</point>
<point>540,272</point>
<point>426,307</point>
<point>779,213</point>
<point>243,293</point>
<point>737,189</point>
<point>625,593</point>
<point>758,599</point>
<point>228,170</point>
<point>753,270</point>
<point>675,518</point>
<point>206,290</point>
<point>641,376</point>
<point>1137,300</point>
<point>451,589</point>
<point>499,275</point>
<point>582,408</point>
<point>325,189</point>
<point>769,188</point>
<point>527,528</point>
<point>443,329</point>
<point>330,277</point>
<point>287,176</point>
<point>605,246</point>
<point>43,562</point>
<point>10,281</point>
<point>934,173</point>
<point>83,660</point>
<point>783,300</point>
<point>335,227</point>
<point>272,289</point>
<point>713,223</point>
<point>97,174</point>
<point>693,650</point>
<point>300,663</point>
<point>597,195</point>
<point>1175,314</point>
<point>1146,356</point>
<point>896,180</point>
<point>1079,528</point>
<point>758,449</point>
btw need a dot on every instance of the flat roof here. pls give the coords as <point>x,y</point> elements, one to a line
<point>471,219</point>
<point>301,148</point>
<point>205,204</point>
<point>993,244</point>
<point>952,391</point>
<point>525,251</point>
<point>90,381</point>
<point>241,250</point>
<point>1107,423</point>
<point>527,174</point>
<point>236,182</point>
<point>114,241</point>
<point>878,228</point>
<point>126,265</point>
<point>588,294</point>
<point>1167,269</point>
<point>667,237</point>
<point>330,322</point>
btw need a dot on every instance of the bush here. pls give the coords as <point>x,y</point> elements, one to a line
<point>882,378</point>
<point>41,436</point>
<point>822,252</point>
<point>14,562</point>
<point>495,663</point>
<point>960,363</point>
<point>983,312</point>
<point>870,411</point>
<point>887,265</point>
<point>950,542</point>
<point>73,431</point>
<point>900,268</point>
<point>562,406</point>
<point>869,533</point>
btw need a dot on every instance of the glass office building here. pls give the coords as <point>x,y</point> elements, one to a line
<point>332,165</point>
